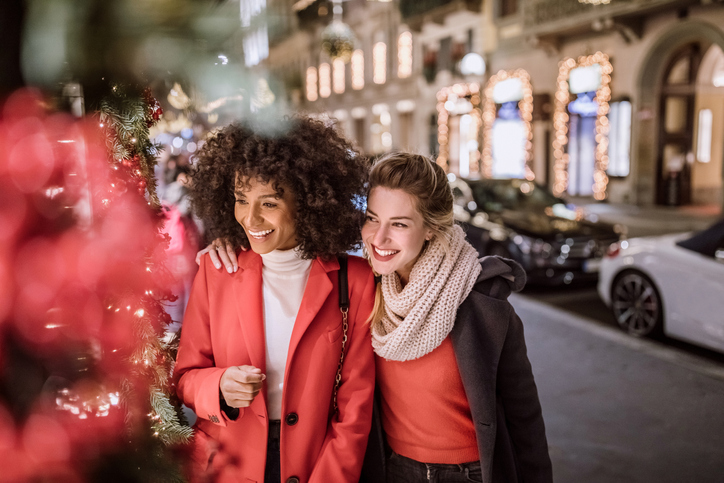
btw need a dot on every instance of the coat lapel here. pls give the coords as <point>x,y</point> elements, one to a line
<point>319,286</point>
<point>249,300</point>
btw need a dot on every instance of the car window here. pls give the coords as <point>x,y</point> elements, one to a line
<point>512,195</point>
<point>706,242</point>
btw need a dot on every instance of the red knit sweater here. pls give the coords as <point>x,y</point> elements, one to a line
<point>425,412</point>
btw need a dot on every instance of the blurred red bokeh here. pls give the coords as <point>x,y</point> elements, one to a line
<point>77,258</point>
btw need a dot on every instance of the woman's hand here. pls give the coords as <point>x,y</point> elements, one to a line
<point>239,385</point>
<point>220,252</point>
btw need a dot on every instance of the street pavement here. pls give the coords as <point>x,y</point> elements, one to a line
<point>622,409</point>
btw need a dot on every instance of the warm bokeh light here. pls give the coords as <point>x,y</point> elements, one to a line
<point>404,55</point>
<point>338,78</point>
<point>325,80</point>
<point>358,69</point>
<point>311,84</point>
<point>379,63</point>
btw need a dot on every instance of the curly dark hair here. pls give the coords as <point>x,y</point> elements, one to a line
<point>326,175</point>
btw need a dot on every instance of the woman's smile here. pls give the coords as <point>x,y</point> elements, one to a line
<point>383,255</point>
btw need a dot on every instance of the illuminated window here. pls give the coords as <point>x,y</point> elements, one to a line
<point>619,138</point>
<point>311,84</point>
<point>703,139</point>
<point>507,134</point>
<point>568,136</point>
<point>379,63</point>
<point>325,80</point>
<point>404,55</point>
<point>338,76</point>
<point>358,69</point>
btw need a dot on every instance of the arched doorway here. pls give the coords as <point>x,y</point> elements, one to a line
<point>675,157</point>
<point>675,86</point>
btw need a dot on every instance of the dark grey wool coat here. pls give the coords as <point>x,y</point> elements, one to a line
<point>493,362</point>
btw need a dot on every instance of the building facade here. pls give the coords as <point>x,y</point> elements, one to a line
<point>619,100</point>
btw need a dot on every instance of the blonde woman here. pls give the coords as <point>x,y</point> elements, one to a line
<point>458,399</point>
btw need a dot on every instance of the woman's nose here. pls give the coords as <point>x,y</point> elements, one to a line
<point>380,236</point>
<point>252,217</point>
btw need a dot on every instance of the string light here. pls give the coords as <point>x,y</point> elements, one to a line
<point>445,95</point>
<point>525,106</point>
<point>358,69</point>
<point>560,124</point>
<point>325,80</point>
<point>379,63</point>
<point>404,55</point>
<point>311,84</point>
<point>338,76</point>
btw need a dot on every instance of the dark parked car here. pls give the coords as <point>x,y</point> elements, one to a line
<point>518,219</point>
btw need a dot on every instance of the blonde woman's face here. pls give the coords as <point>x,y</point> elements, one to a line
<point>394,232</point>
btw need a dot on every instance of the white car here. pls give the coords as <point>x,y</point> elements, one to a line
<point>671,284</point>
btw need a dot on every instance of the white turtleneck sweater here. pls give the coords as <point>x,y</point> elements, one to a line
<point>284,276</point>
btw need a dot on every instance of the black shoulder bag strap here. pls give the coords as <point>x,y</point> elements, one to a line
<point>344,308</point>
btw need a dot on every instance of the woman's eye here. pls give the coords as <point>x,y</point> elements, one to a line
<point>270,205</point>
<point>241,202</point>
<point>369,218</point>
<point>399,225</point>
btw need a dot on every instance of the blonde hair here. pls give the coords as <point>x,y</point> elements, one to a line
<point>427,183</point>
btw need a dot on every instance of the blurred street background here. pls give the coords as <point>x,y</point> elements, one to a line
<point>582,138</point>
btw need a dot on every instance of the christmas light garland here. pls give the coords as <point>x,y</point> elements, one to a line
<point>560,124</point>
<point>457,91</point>
<point>525,106</point>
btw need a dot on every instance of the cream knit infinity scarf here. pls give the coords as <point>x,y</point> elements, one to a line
<point>419,317</point>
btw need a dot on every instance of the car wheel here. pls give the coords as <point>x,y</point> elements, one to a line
<point>636,304</point>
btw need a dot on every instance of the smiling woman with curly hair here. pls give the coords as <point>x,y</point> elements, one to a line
<point>324,173</point>
<point>262,345</point>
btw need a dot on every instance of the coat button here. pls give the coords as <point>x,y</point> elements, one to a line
<point>293,479</point>
<point>291,420</point>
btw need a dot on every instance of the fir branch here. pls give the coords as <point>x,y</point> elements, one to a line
<point>168,426</point>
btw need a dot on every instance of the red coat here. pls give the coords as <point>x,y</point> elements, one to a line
<point>224,327</point>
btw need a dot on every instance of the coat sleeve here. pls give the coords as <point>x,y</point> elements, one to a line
<point>522,407</point>
<point>344,447</point>
<point>197,377</point>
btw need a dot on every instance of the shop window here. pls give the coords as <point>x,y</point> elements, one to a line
<point>703,138</point>
<point>619,139</point>
<point>581,126</point>
<point>459,125</point>
<point>507,114</point>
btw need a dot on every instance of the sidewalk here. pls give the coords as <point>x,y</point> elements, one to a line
<point>653,220</point>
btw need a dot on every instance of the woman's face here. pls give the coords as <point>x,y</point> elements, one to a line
<point>394,232</point>
<point>267,218</point>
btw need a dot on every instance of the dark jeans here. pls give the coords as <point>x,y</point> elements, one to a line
<point>406,470</point>
<point>273,471</point>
